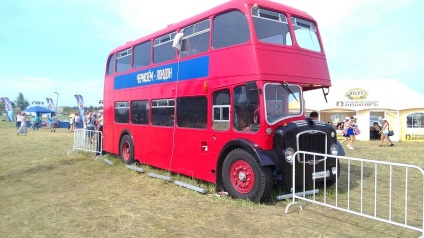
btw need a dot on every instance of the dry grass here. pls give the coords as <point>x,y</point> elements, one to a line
<point>46,193</point>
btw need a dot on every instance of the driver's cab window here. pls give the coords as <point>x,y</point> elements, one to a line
<point>246,116</point>
<point>282,101</point>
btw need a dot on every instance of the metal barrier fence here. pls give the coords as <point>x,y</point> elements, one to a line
<point>88,140</point>
<point>384,191</point>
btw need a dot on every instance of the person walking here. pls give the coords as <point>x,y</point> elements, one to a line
<point>351,131</point>
<point>54,123</point>
<point>345,128</point>
<point>23,127</point>
<point>385,133</point>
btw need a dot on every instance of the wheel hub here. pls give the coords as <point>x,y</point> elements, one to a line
<point>242,176</point>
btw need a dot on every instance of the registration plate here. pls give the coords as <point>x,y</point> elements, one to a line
<point>321,174</point>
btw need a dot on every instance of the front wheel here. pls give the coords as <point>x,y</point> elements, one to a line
<point>126,150</point>
<point>244,178</point>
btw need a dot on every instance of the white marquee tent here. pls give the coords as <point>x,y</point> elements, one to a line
<point>370,100</point>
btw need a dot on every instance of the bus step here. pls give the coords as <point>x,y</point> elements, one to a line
<point>186,185</point>
<point>138,169</point>
<point>108,161</point>
<point>166,178</point>
<point>290,195</point>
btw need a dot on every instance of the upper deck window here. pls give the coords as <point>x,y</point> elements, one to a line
<point>123,60</point>
<point>111,65</point>
<point>229,29</point>
<point>163,50</point>
<point>306,34</point>
<point>196,38</point>
<point>142,54</point>
<point>271,27</point>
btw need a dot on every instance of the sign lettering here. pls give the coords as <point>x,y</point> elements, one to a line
<point>414,137</point>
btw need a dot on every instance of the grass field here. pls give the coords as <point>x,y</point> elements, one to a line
<point>46,193</point>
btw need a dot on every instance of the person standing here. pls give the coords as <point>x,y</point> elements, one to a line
<point>100,120</point>
<point>72,123</point>
<point>54,123</point>
<point>77,119</point>
<point>314,115</point>
<point>89,121</point>
<point>18,120</point>
<point>23,127</point>
<point>385,133</point>
<point>36,121</point>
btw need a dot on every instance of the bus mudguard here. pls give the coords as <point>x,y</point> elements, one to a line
<point>264,158</point>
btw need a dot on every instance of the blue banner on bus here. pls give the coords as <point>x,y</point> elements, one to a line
<point>189,69</point>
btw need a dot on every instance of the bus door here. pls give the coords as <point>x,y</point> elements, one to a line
<point>219,134</point>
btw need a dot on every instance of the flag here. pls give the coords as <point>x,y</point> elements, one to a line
<point>8,108</point>
<point>80,102</point>
<point>50,106</point>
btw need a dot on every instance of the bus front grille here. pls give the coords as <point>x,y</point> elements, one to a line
<point>312,143</point>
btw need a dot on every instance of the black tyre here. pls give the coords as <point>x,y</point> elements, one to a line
<point>126,150</point>
<point>244,178</point>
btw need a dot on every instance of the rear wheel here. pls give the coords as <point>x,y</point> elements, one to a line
<point>244,178</point>
<point>126,150</point>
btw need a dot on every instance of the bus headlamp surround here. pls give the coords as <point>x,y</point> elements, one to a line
<point>288,155</point>
<point>334,150</point>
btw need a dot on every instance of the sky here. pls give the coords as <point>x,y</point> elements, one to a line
<point>50,46</point>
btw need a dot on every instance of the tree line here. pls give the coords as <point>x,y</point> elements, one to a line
<point>21,103</point>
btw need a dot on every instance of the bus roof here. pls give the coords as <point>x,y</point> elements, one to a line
<point>232,4</point>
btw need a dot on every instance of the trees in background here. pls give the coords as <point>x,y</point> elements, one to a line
<point>21,102</point>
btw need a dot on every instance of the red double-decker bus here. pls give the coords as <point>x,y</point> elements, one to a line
<point>219,97</point>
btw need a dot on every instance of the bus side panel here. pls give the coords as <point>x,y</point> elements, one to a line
<point>159,151</point>
<point>232,62</point>
<point>293,66</point>
<point>108,124</point>
<point>142,141</point>
<point>191,153</point>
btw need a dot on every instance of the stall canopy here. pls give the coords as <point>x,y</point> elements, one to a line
<point>38,109</point>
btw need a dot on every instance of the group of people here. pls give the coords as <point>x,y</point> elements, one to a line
<point>89,121</point>
<point>350,129</point>
<point>35,123</point>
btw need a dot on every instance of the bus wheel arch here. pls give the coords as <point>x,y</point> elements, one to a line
<point>126,148</point>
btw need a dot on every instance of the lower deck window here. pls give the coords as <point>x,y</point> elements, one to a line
<point>122,112</point>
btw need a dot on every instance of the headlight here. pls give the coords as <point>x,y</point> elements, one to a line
<point>334,150</point>
<point>334,170</point>
<point>288,154</point>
